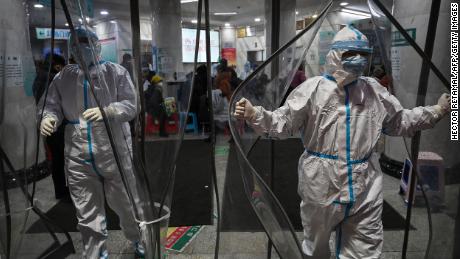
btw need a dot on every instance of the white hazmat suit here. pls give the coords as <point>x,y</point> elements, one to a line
<point>91,171</point>
<point>340,117</point>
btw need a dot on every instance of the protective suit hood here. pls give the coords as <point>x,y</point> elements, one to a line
<point>347,39</point>
<point>88,43</point>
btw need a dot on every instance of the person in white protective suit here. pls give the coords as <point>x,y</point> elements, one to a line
<point>340,117</point>
<point>91,171</point>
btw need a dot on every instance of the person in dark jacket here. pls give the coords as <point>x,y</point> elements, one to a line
<point>127,62</point>
<point>154,103</point>
<point>39,85</point>
<point>55,142</point>
<point>199,90</point>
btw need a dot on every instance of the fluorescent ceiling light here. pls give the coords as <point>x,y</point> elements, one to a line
<point>296,12</point>
<point>227,24</point>
<point>113,21</point>
<point>257,19</point>
<point>229,13</point>
<point>194,21</point>
<point>343,4</point>
<point>38,6</point>
<point>315,15</point>
<point>104,12</point>
<point>188,1</point>
<point>359,13</point>
<point>66,25</point>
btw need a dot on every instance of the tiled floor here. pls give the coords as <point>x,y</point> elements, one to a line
<point>253,245</point>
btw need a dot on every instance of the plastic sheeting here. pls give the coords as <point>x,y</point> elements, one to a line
<point>437,158</point>
<point>149,177</point>
<point>17,124</point>
<point>266,87</point>
<point>269,83</point>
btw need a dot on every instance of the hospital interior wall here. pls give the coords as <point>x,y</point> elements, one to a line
<point>415,14</point>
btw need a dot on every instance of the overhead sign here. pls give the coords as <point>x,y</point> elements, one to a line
<point>45,33</point>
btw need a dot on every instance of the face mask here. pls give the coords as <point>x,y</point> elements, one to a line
<point>335,66</point>
<point>354,65</point>
<point>160,84</point>
<point>86,54</point>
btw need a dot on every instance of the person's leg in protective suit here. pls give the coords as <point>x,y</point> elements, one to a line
<point>94,178</point>
<point>358,226</point>
<point>340,116</point>
<point>92,172</point>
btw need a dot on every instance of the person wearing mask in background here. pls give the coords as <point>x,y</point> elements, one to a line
<point>154,102</point>
<point>340,117</point>
<point>55,142</point>
<point>92,174</point>
<point>127,63</point>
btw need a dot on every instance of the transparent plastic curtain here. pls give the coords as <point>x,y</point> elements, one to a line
<point>161,151</point>
<point>17,124</point>
<point>438,155</point>
<point>148,178</point>
<point>266,87</point>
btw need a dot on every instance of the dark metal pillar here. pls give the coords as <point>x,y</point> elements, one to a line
<point>275,45</point>
<point>212,137</point>
<point>139,127</point>
<point>415,143</point>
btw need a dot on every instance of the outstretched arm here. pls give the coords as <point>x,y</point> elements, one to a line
<point>405,122</point>
<point>282,122</point>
